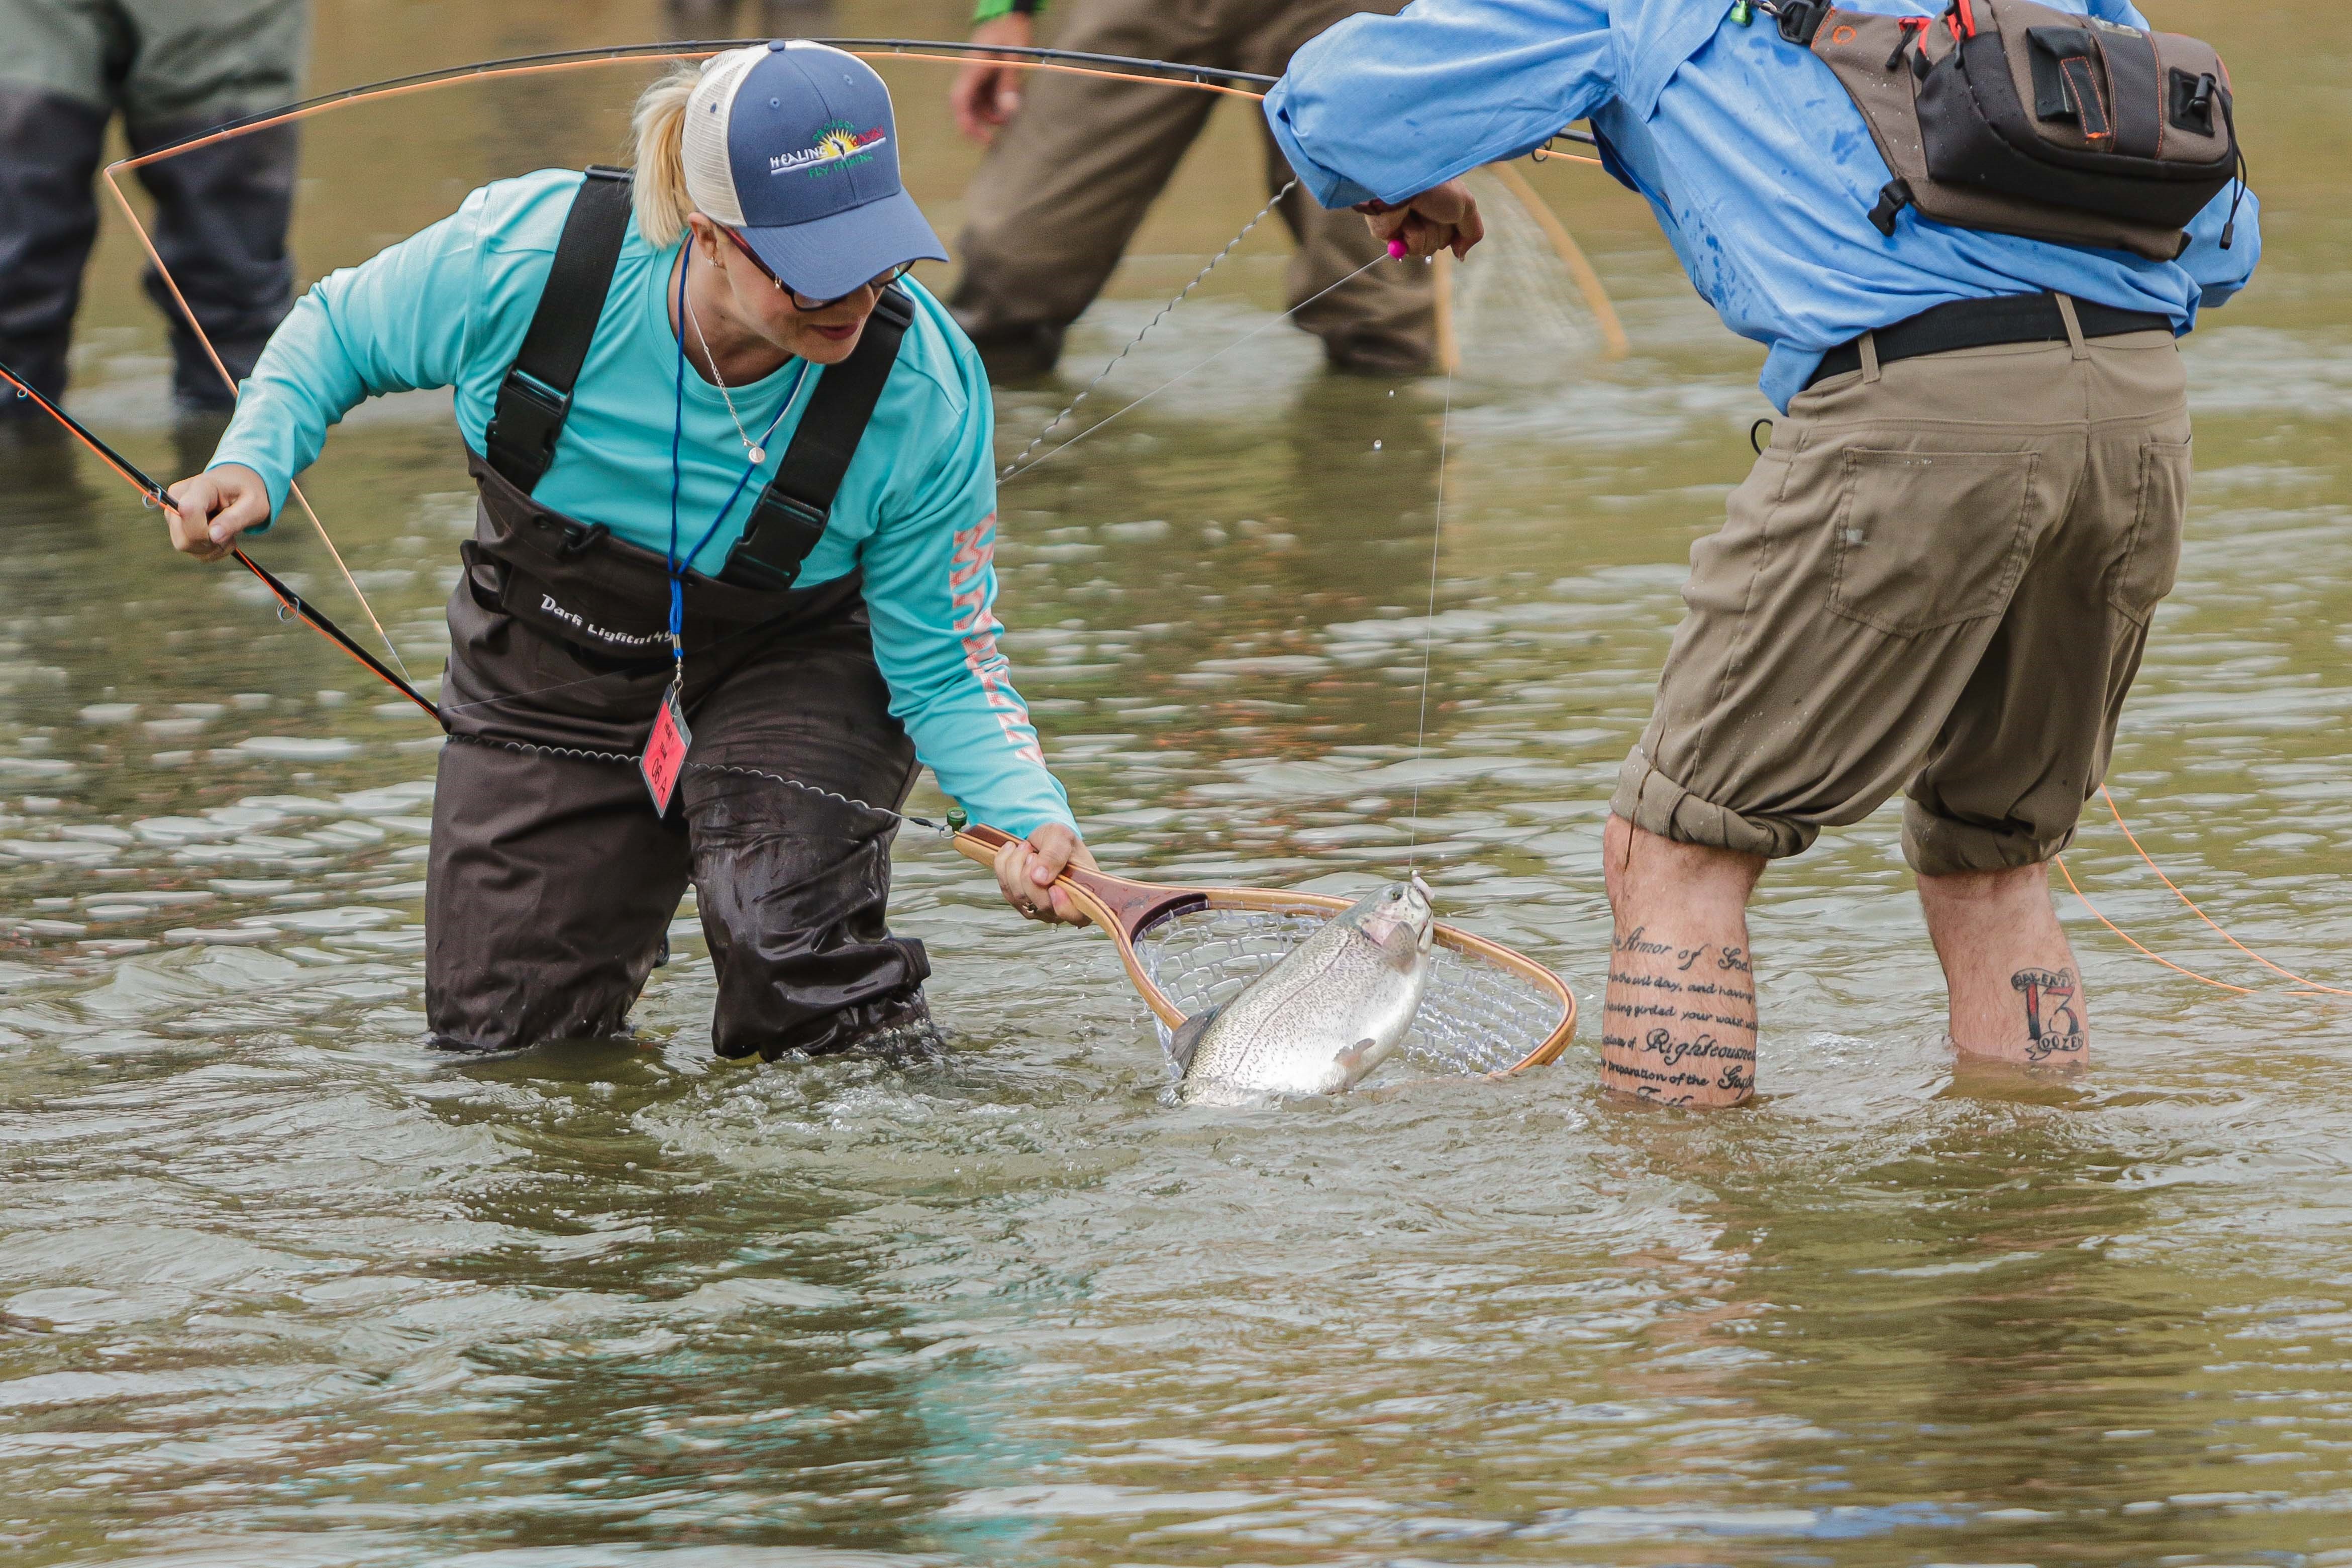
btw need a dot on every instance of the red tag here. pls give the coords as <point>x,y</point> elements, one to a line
<point>666,751</point>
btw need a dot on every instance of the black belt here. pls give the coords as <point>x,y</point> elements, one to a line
<point>1980,323</point>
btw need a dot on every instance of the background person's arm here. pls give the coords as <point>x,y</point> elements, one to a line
<point>986,94</point>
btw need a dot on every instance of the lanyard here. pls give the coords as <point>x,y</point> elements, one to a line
<point>676,563</point>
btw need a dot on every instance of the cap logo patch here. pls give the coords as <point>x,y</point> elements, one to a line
<point>839,145</point>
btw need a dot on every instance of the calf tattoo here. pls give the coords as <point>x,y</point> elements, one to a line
<point>1668,1023</point>
<point>2053,1022</point>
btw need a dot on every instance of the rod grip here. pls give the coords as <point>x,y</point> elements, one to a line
<point>980,842</point>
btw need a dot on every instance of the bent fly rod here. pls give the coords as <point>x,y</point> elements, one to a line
<point>290,601</point>
<point>1079,62</point>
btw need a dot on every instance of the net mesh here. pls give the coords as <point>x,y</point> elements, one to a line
<point>1476,1017</point>
<point>1517,309</point>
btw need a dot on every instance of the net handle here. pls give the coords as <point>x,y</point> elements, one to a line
<point>1124,909</point>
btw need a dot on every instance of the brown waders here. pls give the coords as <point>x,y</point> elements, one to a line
<point>553,881</point>
<point>1064,186</point>
<point>553,877</point>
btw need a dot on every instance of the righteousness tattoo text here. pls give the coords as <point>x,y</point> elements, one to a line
<point>1670,1021</point>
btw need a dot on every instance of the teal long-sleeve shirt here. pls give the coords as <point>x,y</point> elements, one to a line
<point>917,510</point>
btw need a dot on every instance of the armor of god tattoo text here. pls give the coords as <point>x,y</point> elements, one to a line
<point>1672,1020</point>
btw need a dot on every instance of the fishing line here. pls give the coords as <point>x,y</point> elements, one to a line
<point>2312,987</point>
<point>1428,624</point>
<point>2060,862</point>
<point>1013,57</point>
<point>2275,968</point>
<point>1181,295</point>
<point>1221,354</point>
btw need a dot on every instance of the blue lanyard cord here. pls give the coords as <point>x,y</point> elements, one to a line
<point>677,438</point>
<point>677,564</point>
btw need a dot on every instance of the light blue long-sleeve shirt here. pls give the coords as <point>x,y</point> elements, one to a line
<point>917,510</point>
<point>1758,165</point>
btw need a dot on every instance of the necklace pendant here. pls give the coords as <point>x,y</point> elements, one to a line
<point>759,455</point>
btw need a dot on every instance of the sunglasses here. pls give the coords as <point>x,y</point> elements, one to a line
<point>802,301</point>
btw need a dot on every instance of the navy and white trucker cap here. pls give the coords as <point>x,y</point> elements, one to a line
<point>793,145</point>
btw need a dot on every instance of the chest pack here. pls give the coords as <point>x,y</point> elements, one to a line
<point>535,398</point>
<point>2012,117</point>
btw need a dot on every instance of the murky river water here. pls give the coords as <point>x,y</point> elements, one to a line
<point>277,1286</point>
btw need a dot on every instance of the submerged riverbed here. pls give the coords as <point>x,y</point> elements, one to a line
<point>279,1287</point>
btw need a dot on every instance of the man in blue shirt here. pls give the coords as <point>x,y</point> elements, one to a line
<point>1942,570</point>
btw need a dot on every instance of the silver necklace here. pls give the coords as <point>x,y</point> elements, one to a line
<point>757,450</point>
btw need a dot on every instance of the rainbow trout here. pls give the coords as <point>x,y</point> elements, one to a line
<point>1337,1006</point>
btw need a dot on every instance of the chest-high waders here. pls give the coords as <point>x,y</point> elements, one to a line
<point>554,879</point>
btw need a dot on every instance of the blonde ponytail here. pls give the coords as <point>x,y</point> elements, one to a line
<point>659,126</point>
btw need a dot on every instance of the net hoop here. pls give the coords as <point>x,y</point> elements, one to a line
<point>1128,910</point>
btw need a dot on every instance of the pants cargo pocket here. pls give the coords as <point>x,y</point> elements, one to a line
<point>2147,564</point>
<point>1923,540</point>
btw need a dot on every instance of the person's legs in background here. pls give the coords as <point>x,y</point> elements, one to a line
<point>54,105</point>
<point>1066,183</point>
<point>1385,322</point>
<point>220,211</point>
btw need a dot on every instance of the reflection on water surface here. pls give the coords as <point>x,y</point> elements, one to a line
<point>277,1287</point>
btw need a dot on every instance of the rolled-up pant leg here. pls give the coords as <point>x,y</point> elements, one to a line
<point>548,889</point>
<point>48,154</point>
<point>794,882</point>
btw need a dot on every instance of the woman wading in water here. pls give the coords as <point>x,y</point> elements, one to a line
<point>737,494</point>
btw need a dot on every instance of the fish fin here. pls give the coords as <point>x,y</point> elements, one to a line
<point>1359,1060</point>
<point>1188,1038</point>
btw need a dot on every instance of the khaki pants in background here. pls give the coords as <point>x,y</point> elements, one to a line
<point>1066,185</point>
<point>1941,572</point>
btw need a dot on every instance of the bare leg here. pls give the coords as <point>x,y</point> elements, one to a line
<point>2016,993</point>
<point>1678,1026</point>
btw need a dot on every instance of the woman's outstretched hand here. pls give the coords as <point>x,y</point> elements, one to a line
<point>1026,874</point>
<point>210,510</point>
<point>1444,217</point>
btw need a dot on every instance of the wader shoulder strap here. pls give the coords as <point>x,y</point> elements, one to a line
<point>536,396</point>
<point>790,513</point>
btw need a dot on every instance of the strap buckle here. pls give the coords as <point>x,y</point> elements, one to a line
<point>777,539</point>
<point>527,418</point>
<point>1800,19</point>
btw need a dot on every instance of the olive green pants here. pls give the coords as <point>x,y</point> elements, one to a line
<point>158,61</point>
<point>1941,572</point>
<point>1064,186</point>
<point>171,68</point>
